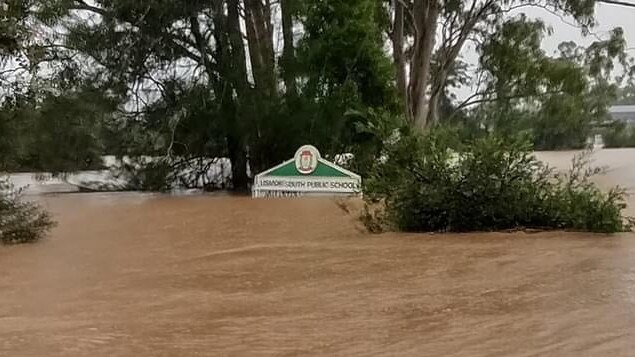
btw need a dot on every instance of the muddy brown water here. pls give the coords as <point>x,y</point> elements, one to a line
<point>147,275</point>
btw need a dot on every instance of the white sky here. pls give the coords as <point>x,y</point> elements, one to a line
<point>607,17</point>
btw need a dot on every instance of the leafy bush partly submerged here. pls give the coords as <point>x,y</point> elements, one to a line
<point>20,221</point>
<point>488,184</point>
<point>619,135</point>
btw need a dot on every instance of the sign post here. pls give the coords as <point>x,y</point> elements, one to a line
<point>307,173</point>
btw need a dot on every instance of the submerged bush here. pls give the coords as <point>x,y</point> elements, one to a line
<point>487,184</point>
<point>164,174</point>
<point>20,221</point>
<point>619,135</point>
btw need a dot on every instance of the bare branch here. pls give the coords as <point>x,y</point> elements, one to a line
<point>469,102</point>
<point>81,5</point>
<point>619,3</point>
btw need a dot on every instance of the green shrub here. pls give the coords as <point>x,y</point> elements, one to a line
<point>152,176</point>
<point>619,135</point>
<point>487,184</point>
<point>20,221</point>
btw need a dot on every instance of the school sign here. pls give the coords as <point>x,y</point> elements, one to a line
<point>307,173</point>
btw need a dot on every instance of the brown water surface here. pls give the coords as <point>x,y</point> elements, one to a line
<point>132,275</point>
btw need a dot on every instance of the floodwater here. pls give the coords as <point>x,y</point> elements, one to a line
<point>619,165</point>
<point>149,275</point>
<point>133,275</point>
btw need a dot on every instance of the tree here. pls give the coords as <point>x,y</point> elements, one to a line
<point>12,28</point>
<point>559,100</point>
<point>189,80</point>
<point>487,184</point>
<point>453,23</point>
<point>626,95</point>
<point>159,52</point>
<point>206,78</point>
<point>20,221</point>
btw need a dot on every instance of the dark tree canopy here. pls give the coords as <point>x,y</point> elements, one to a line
<point>251,80</point>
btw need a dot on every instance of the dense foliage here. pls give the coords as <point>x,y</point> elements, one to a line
<point>52,133</point>
<point>189,82</point>
<point>487,184</point>
<point>251,80</point>
<point>176,86</point>
<point>618,135</point>
<point>20,221</point>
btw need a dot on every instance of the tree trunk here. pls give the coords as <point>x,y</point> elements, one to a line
<point>239,62</point>
<point>238,158</point>
<point>232,75</point>
<point>260,46</point>
<point>433,108</point>
<point>288,54</point>
<point>397,48</point>
<point>437,90</point>
<point>268,26</point>
<point>257,62</point>
<point>236,140</point>
<point>426,14</point>
<point>202,47</point>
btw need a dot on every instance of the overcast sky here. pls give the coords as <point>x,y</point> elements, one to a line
<point>607,18</point>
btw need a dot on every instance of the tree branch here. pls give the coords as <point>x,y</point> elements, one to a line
<point>616,2</point>
<point>468,103</point>
<point>200,42</point>
<point>408,11</point>
<point>81,5</point>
